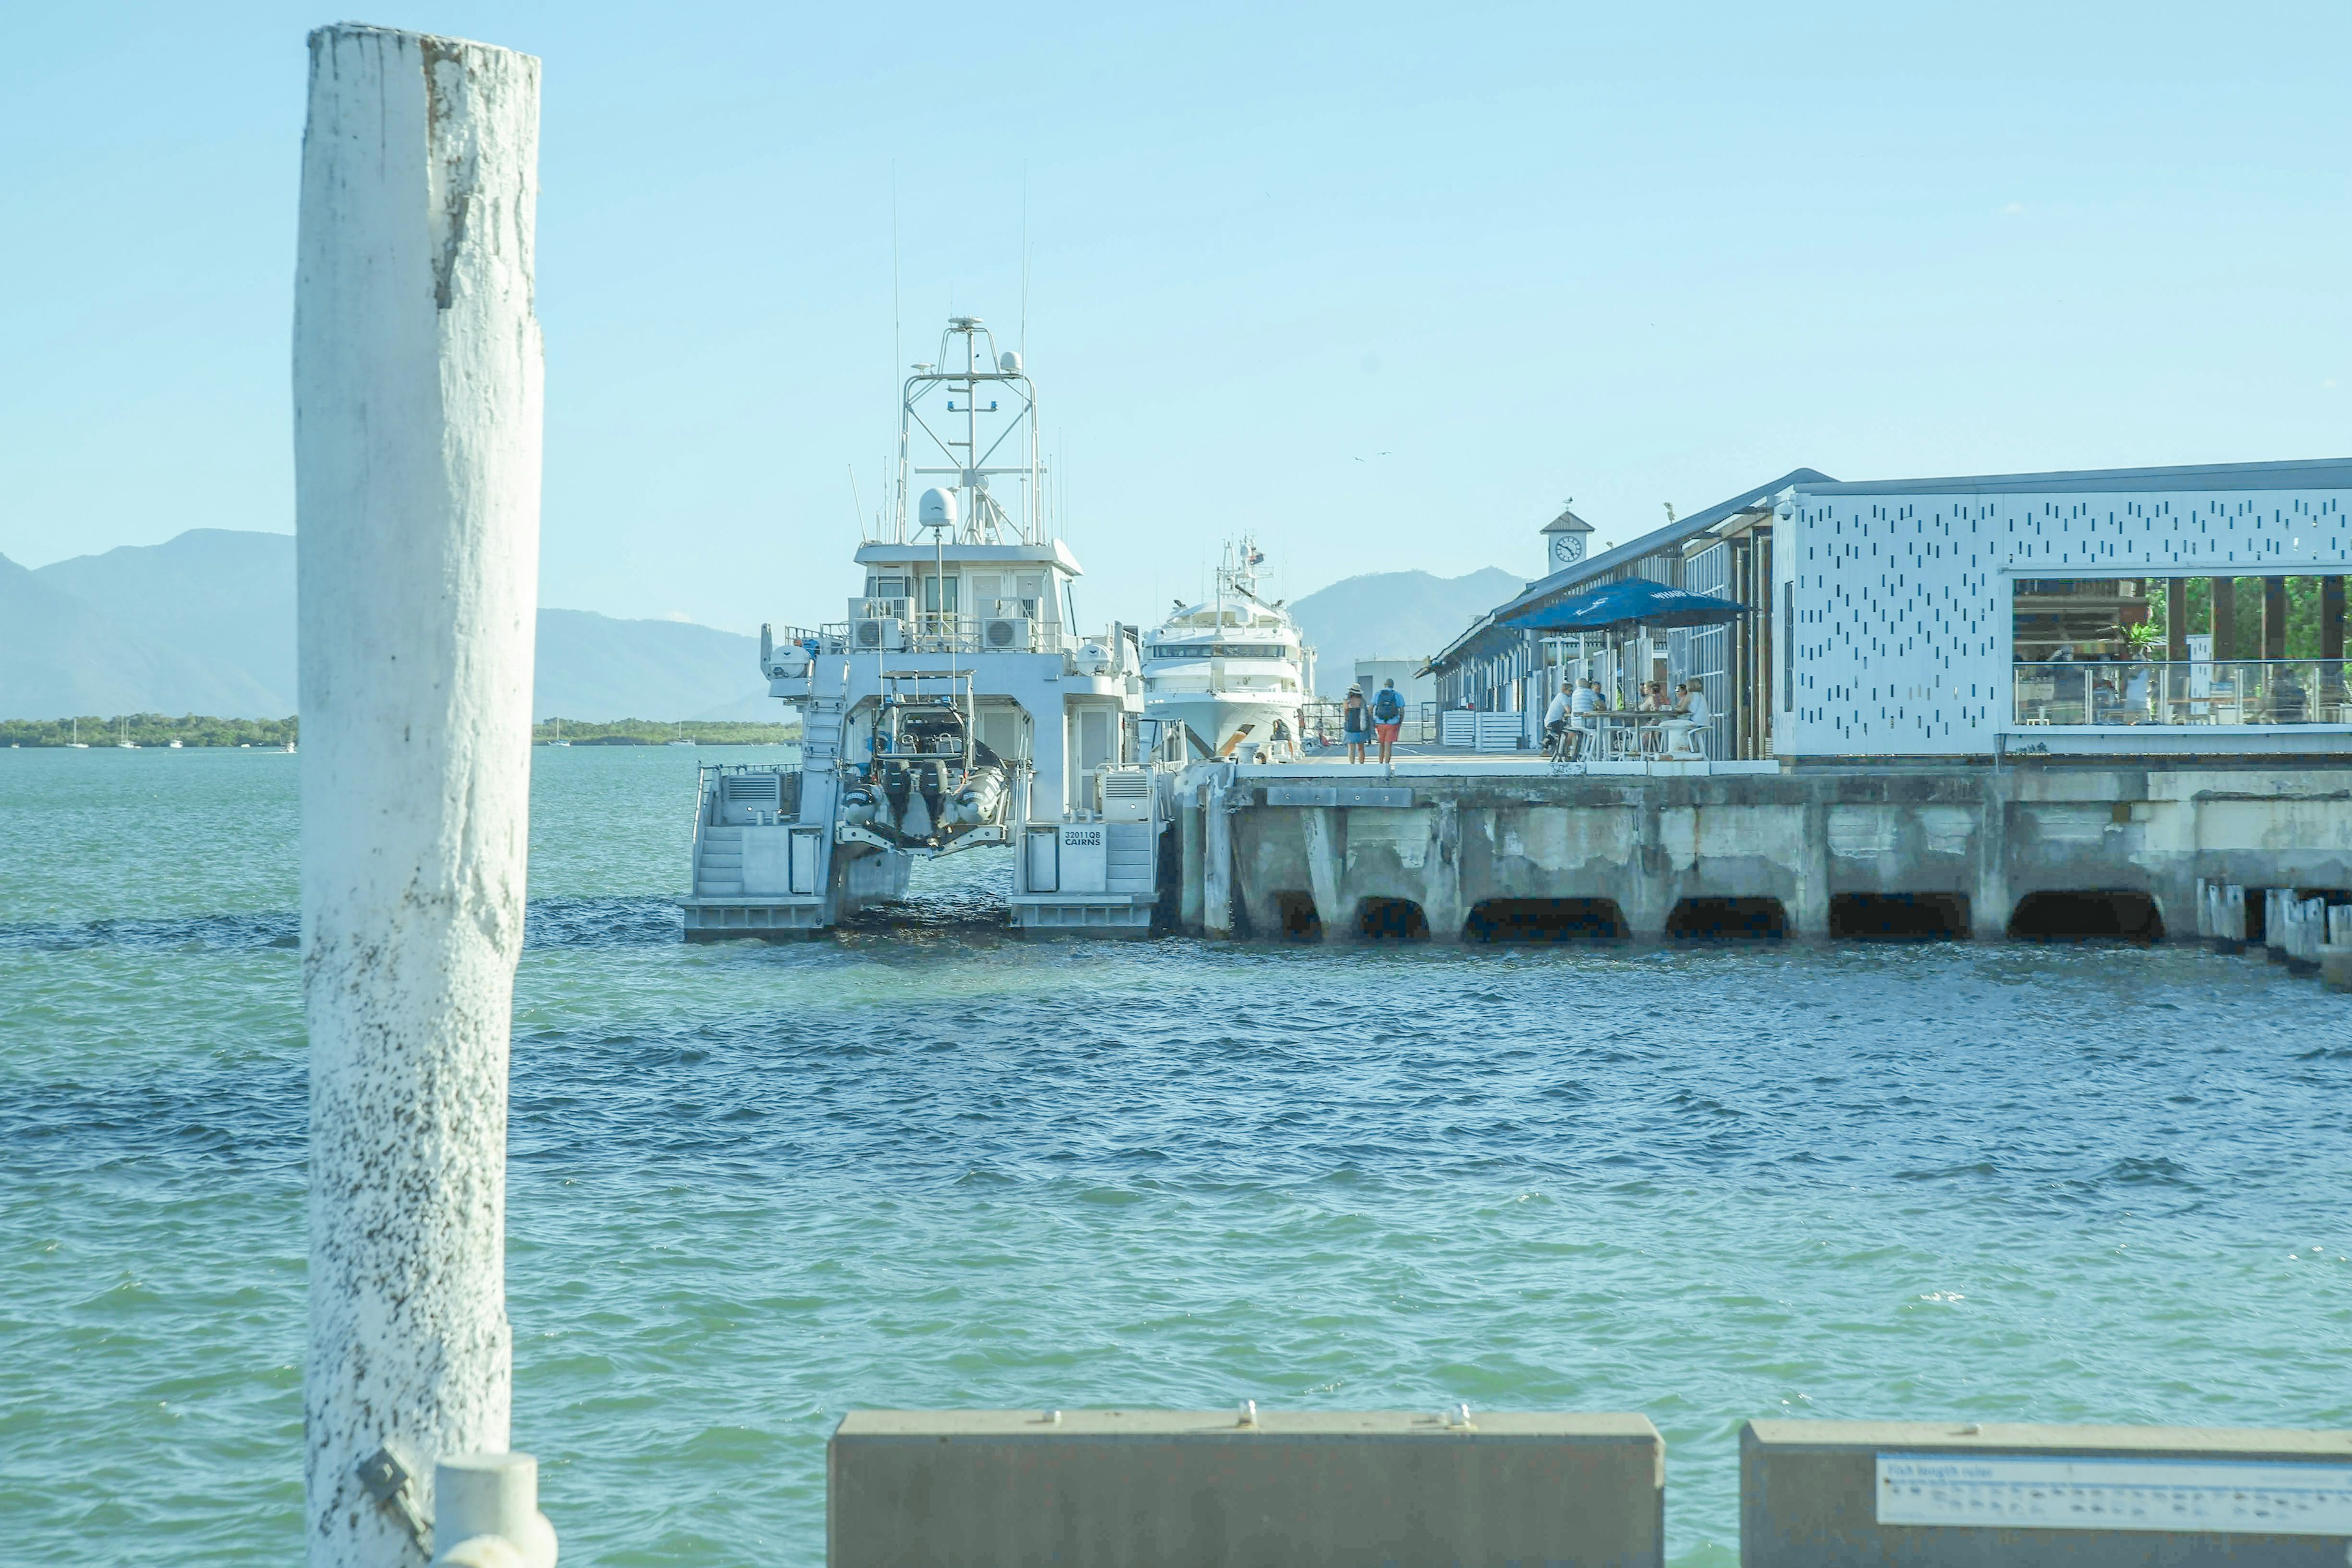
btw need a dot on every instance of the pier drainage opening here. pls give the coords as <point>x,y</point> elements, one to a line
<point>1294,918</point>
<point>1728,920</point>
<point>1392,920</point>
<point>2088,917</point>
<point>1899,917</point>
<point>1545,919</point>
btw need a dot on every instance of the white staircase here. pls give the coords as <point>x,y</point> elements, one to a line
<point>718,874</point>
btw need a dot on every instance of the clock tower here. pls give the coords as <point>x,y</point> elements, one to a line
<point>1564,541</point>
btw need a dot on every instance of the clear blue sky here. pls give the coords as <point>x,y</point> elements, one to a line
<point>1628,254</point>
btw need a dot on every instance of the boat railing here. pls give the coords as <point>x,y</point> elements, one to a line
<point>935,633</point>
<point>2094,692</point>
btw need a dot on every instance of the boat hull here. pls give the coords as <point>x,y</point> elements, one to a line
<point>1217,717</point>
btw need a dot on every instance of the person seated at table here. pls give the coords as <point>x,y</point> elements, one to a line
<point>1654,697</point>
<point>1555,718</point>
<point>1691,714</point>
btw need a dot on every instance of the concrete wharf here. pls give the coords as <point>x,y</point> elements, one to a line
<point>1485,849</point>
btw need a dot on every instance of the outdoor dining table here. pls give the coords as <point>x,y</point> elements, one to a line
<point>1628,724</point>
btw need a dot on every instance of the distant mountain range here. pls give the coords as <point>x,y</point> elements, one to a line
<point>1392,615</point>
<point>204,624</point>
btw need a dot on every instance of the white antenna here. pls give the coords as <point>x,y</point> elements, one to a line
<point>895,312</point>
<point>898,357</point>
<point>1024,261</point>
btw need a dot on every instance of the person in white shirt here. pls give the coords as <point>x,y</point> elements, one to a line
<point>1691,715</point>
<point>1556,712</point>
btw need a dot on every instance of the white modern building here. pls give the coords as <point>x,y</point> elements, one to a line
<point>2142,611</point>
<point>2121,611</point>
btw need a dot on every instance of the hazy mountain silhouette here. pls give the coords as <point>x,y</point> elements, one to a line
<point>1392,615</point>
<point>206,624</point>
<point>61,655</point>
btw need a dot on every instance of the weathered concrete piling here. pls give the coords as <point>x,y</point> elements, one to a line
<point>417,418</point>
<point>1500,852</point>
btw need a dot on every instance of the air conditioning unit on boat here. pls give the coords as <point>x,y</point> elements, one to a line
<point>880,633</point>
<point>1127,795</point>
<point>1007,634</point>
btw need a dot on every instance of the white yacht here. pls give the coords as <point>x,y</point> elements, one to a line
<point>1231,674</point>
<point>956,705</point>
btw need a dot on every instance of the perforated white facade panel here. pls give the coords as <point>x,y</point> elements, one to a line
<point>1892,604</point>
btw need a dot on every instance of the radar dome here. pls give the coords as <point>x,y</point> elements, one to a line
<point>935,510</point>
<point>1009,362</point>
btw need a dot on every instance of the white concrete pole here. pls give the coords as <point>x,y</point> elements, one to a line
<point>417,448</point>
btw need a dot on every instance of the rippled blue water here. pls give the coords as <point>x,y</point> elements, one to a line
<point>924,1163</point>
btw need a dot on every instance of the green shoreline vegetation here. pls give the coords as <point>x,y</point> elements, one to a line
<point>94,730</point>
<point>655,733</point>
<point>147,729</point>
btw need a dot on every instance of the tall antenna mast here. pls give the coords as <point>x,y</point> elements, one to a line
<point>897,356</point>
<point>1024,261</point>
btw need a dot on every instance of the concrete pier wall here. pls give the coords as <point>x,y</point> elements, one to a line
<point>1817,852</point>
<point>1909,1494</point>
<point>1115,1489</point>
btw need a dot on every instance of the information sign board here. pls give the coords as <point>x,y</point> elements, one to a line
<point>2206,1497</point>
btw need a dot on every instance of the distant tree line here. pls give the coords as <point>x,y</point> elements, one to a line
<point>147,729</point>
<point>197,730</point>
<point>654,732</point>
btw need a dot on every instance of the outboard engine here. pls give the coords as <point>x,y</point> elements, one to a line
<point>916,818</point>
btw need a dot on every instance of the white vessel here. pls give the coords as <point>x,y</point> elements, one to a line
<point>1231,675</point>
<point>956,705</point>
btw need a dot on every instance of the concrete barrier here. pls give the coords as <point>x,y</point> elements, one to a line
<point>1819,1494</point>
<point>1137,1488</point>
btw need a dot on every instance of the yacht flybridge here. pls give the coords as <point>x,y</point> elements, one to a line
<point>1230,675</point>
<point>956,705</point>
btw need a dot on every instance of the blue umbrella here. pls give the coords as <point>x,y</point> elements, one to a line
<point>1626,602</point>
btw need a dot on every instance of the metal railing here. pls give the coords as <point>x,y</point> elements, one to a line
<point>2155,691</point>
<point>935,633</point>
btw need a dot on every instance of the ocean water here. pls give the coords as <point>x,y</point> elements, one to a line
<point>924,1164</point>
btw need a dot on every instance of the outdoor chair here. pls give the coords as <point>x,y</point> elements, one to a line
<point>1683,738</point>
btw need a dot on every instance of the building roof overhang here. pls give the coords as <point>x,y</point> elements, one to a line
<point>1564,582</point>
<point>2298,474</point>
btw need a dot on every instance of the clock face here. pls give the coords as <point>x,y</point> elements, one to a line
<point>1567,549</point>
